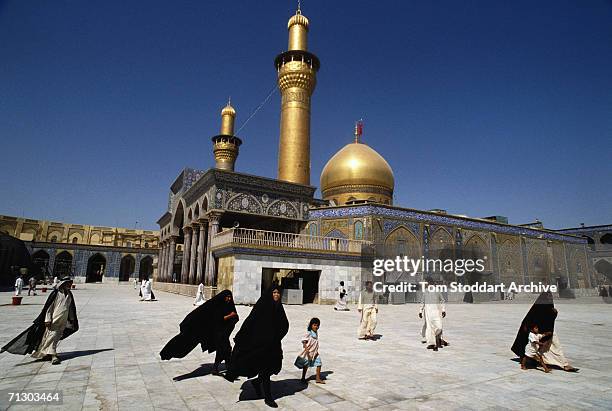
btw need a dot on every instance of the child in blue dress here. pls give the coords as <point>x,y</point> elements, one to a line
<point>310,345</point>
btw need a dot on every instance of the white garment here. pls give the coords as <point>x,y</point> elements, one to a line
<point>369,313</point>
<point>145,288</point>
<point>552,352</point>
<point>135,283</point>
<point>199,299</point>
<point>532,349</point>
<point>57,316</point>
<point>341,301</point>
<point>432,309</point>
<point>18,286</point>
<point>55,282</point>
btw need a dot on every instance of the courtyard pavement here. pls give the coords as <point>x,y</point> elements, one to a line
<point>113,361</point>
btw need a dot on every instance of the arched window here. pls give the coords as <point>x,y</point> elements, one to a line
<point>606,239</point>
<point>75,240</point>
<point>358,230</point>
<point>54,239</point>
<point>313,229</point>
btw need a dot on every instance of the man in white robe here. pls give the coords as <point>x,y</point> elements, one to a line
<point>199,299</point>
<point>341,301</point>
<point>432,311</point>
<point>49,327</point>
<point>56,321</point>
<point>368,307</point>
<point>18,286</point>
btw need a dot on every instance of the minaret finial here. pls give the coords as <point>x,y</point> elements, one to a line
<point>229,101</point>
<point>299,8</point>
<point>358,130</point>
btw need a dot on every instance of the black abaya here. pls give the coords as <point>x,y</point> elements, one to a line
<point>543,314</point>
<point>205,326</point>
<point>257,349</point>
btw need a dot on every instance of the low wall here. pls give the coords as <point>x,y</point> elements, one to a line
<point>184,289</point>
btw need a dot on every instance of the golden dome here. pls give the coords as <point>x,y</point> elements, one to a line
<point>228,110</point>
<point>357,173</point>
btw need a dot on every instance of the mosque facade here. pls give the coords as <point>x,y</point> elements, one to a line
<point>232,230</point>
<point>86,252</point>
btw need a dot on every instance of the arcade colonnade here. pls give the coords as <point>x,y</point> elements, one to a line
<point>197,264</point>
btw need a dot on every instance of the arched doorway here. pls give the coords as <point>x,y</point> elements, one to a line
<point>128,263</point>
<point>604,268</point>
<point>63,264</point>
<point>95,268</point>
<point>146,268</point>
<point>179,219</point>
<point>40,264</point>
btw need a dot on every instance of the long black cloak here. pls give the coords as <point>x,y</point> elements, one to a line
<point>542,313</point>
<point>205,326</point>
<point>29,340</point>
<point>258,349</point>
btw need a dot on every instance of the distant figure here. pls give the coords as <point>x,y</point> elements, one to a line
<point>199,299</point>
<point>56,321</point>
<point>209,325</point>
<point>310,350</point>
<point>32,285</point>
<point>135,283</point>
<point>146,290</point>
<point>18,285</point>
<point>341,301</point>
<point>55,282</point>
<point>368,307</point>
<point>433,311</point>
<point>258,349</point>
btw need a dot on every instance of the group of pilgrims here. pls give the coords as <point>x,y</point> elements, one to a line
<point>257,353</point>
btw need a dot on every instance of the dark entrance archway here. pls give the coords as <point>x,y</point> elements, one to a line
<point>40,264</point>
<point>128,263</point>
<point>146,268</point>
<point>95,268</point>
<point>605,268</point>
<point>63,264</point>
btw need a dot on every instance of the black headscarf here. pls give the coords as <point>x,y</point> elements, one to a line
<point>205,326</point>
<point>543,314</point>
<point>29,340</point>
<point>258,349</point>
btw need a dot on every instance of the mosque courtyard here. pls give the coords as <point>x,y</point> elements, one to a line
<point>112,362</point>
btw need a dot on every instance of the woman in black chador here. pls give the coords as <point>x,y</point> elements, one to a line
<point>257,349</point>
<point>209,325</point>
<point>543,314</point>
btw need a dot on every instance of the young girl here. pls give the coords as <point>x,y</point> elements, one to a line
<point>533,348</point>
<point>310,345</point>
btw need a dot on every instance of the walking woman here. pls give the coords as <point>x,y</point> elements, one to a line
<point>209,325</point>
<point>257,350</point>
<point>543,314</point>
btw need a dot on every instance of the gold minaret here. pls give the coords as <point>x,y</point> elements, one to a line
<point>225,145</point>
<point>297,70</point>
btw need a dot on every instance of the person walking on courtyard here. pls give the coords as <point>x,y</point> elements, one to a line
<point>543,314</point>
<point>146,290</point>
<point>533,348</point>
<point>199,298</point>
<point>55,282</point>
<point>56,321</point>
<point>309,357</point>
<point>368,307</point>
<point>32,285</point>
<point>258,350</point>
<point>209,325</point>
<point>341,301</point>
<point>432,311</point>
<point>135,283</point>
<point>18,285</point>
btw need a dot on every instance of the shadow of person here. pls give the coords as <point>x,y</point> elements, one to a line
<point>376,337</point>
<point>279,389</point>
<point>74,354</point>
<point>66,356</point>
<point>201,371</point>
<point>324,375</point>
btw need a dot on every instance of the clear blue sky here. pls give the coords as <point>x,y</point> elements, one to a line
<point>481,107</point>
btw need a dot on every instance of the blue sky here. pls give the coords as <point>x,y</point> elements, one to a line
<point>481,107</point>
